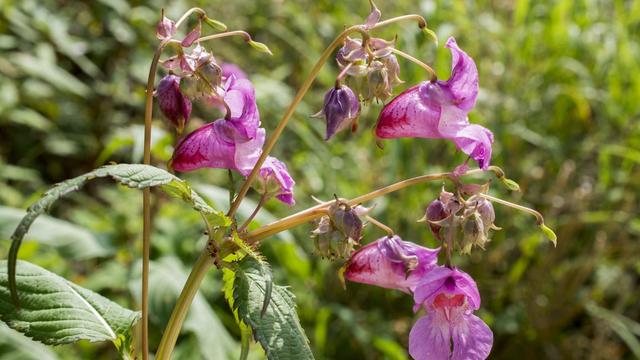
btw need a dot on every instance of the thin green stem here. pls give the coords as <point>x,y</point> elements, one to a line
<point>380,225</point>
<point>263,200</point>
<point>146,202</point>
<point>303,90</point>
<point>320,209</point>
<point>189,291</point>
<point>430,70</point>
<point>536,214</point>
<point>189,12</point>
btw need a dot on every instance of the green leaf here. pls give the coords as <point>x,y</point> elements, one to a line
<point>14,346</point>
<point>57,311</point>
<point>277,328</point>
<point>136,176</point>
<point>72,241</point>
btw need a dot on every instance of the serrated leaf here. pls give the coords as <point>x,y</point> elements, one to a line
<point>57,311</point>
<point>15,346</point>
<point>278,329</point>
<point>132,175</point>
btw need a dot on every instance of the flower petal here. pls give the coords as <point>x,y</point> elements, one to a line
<point>430,339</point>
<point>463,83</point>
<point>240,96</point>
<point>229,69</point>
<point>248,152</point>
<point>475,141</point>
<point>205,147</point>
<point>275,168</point>
<point>449,281</point>
<point>386,261</point>
<point>409,116</point>
<point>472,340</point>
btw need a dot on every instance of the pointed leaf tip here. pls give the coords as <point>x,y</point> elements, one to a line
<point>549,234</point>
<point>260,47</point>
<point>430,33</point>
<point>215,24</point>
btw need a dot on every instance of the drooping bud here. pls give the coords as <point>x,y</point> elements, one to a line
<point>274,180</point>
<point>331,242</point>
<point>341,110</point>
<point>166,28</point>
<point>172,102</point>
<point>346,221</point>
<point>435,212</point>
<point>211,73</point>
<point>378,78</point>
<point>474,233</point>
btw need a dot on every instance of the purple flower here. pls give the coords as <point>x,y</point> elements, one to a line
<point>438,110</point>
<point>341,110</point>
<point>231,143</point>
<point>274,180</point>
<point>229,69</point>
<point>450,296</point>
<point>390,262</point>
<point>173,104</point>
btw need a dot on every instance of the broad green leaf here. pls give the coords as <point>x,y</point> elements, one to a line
<point>166,278</point>
<point>276,327</point>
<point>56,311</point>
<point>132,175</point>
<point>72,241</point>
<point>15,346</point>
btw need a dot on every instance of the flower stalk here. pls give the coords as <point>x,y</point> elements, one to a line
<point>303,90</point>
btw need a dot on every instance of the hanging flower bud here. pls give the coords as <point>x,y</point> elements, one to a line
<point>166,28</point>
<point>346,219</point>
<point>172,102</point>
<point>474,233</point>
<point>211,73</point>
<point>331,242</point>
<point>341,110</point>
<point>435,212</point>
<point>379,85</point>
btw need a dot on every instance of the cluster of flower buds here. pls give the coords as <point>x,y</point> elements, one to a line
<point>474,217</point>
<point>371,67</point>
<point>340,230</point>
<point>233,142</point>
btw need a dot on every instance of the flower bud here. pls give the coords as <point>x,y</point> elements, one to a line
<point>435,212</point>
<point>347,222</point>
<point>341,110</point>
<point>211,73</point>
<point>166,28</point>
<point>474,233</point>
<point>486,212</point>
<point>189,87</point>
<point>172,102</point>
<point>378,78</point>
<point>331,242</point>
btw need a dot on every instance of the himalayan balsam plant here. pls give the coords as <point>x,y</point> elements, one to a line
<point>54,311</point>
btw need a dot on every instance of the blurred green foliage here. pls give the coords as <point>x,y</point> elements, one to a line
<point>560,89</point>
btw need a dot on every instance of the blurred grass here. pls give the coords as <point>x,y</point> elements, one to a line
<point>560,89</point>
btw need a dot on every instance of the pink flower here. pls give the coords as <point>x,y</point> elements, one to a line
<point>438,110</point>
<point>392,263</point>
<point>233,143</point>
<point>229,69</point>
<point>450,297</point>
<point>274,180</point>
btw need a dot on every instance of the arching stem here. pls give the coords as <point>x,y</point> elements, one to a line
<point>430,70</point>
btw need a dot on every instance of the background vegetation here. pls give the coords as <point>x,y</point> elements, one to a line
<point>560,88</point>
